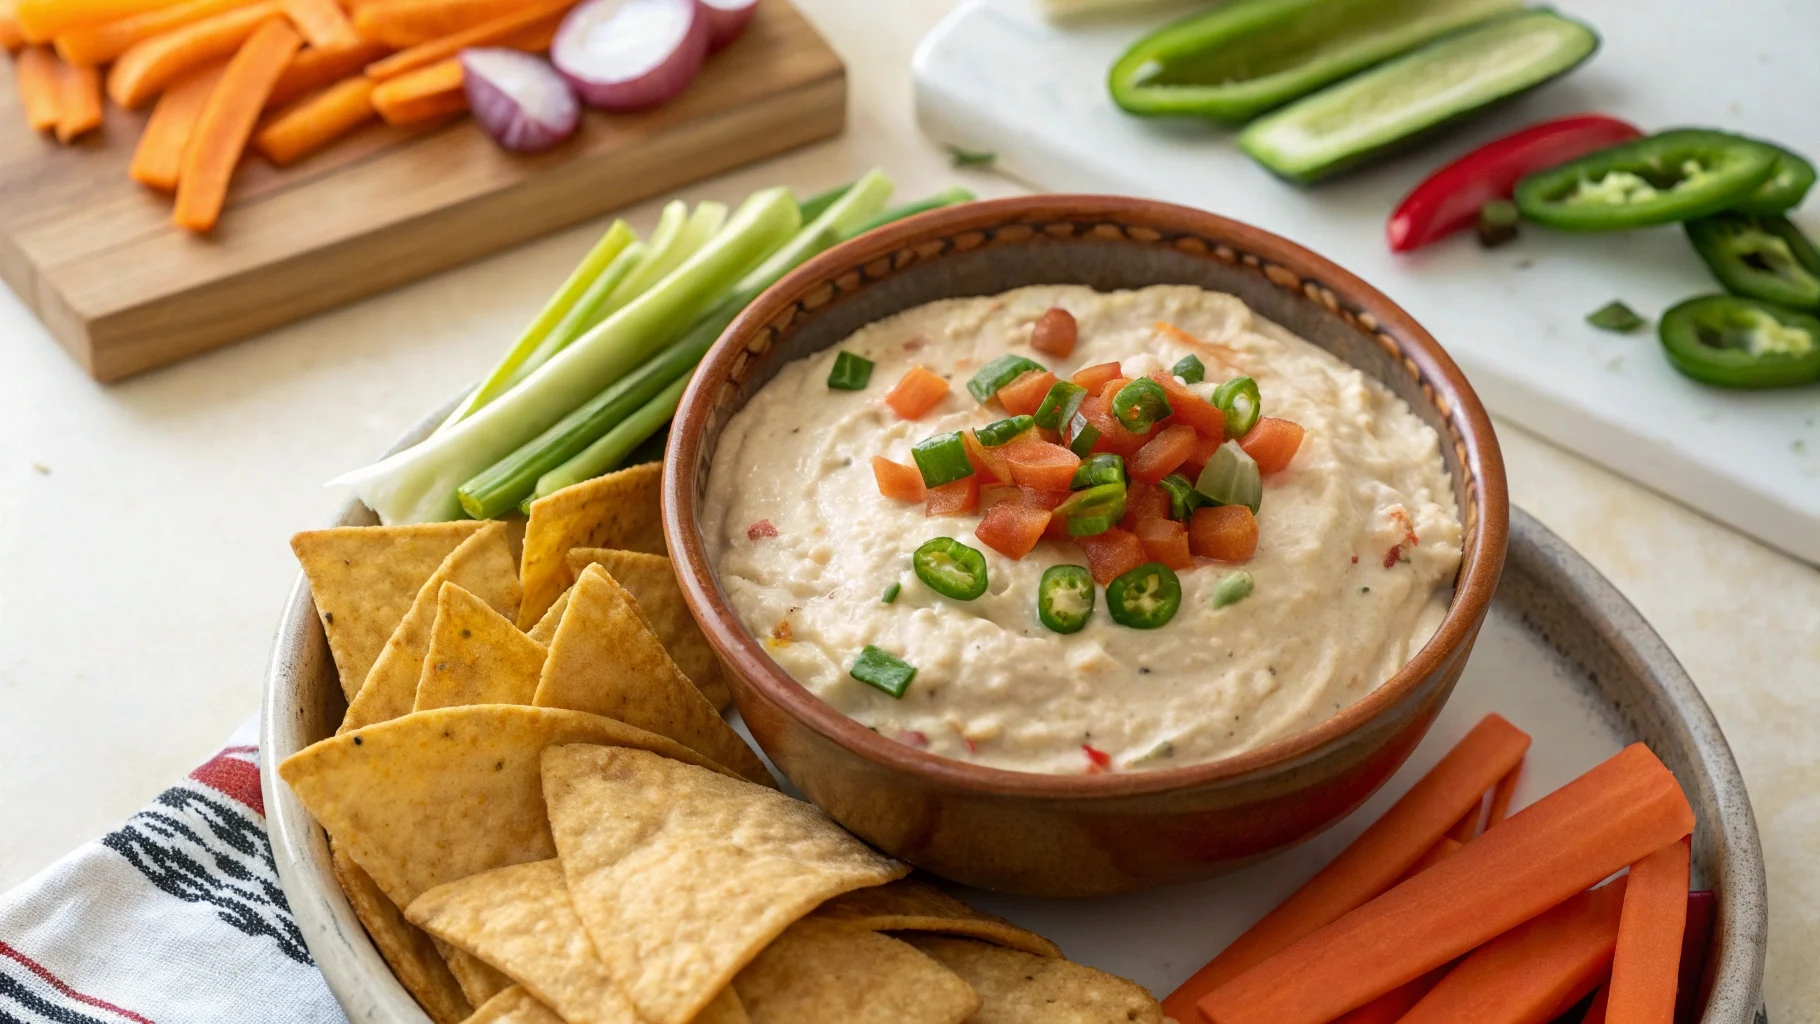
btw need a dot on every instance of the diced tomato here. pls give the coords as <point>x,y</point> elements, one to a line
<point>1273,443</point>
<point>1039,464</point>
<point>1098,761</point>
<point>1048,501</point>
<point>1187,407</point>
<point>1111,387</point>
<point>1055,333</point>
<point>1022,396</point>
<point>1144,503</point>
<point>896,480</point>
<point>1012,529</point>
<point>1228,533</point>
<point>1113,435</point>
<point>1051,436</point>
<point>1112,554</point>
<point>1160,456</point>
<point>1094,377</point>
<point>1203,449</point>
<point>917,392</point>
<point>993,494</point>
<point>955,499</point>
<point>987,462</point>
<point>762,528</point>
<point>1166,541</point>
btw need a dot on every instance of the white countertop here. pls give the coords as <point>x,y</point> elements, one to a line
<point>144,526</point>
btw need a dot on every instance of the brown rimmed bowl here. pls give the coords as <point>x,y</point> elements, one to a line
<point>1082,835</point>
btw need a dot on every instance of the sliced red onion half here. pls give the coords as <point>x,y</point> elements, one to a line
<point>727,20</point>
<point>631,54</point>
<point>518,98</point>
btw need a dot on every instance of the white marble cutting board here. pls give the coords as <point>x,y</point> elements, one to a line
<point>997,76</point>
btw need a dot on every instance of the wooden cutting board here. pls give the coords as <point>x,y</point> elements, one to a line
<point>124,290</point>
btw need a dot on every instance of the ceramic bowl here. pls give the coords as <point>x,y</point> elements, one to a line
<point>1084,835</point>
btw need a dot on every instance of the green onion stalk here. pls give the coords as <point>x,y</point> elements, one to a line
<point>946,197</point>
<point>614,445</point>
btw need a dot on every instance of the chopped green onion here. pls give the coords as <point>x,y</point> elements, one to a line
<point>850,372</point>
<point>997,374</point>
<point>1064,598</point>
<point>1140,404</point>
<point>883,670</point>
<point>942,459</point>
<point>1094,510</point>
<point>610,450</point>
<point>946,197</point>
<point>1190,369</point>
<point>891,592</point>
<point>1231,477</point>
<point>972,157</point>
<point>1498,223</point>
<point>1060,404</point>
<point>1238,399</point>
<point>1001,432</point>
<point>950,568</point>
<point>1233,589</point>
<point>1147,597</point>
<point>1081,436</point>
<point>1615,316</point>
<point>1104,468</point>
<point>1183,499</point>
<point>818,204</point>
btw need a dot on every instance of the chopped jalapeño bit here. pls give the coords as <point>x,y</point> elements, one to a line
<point>1094,510</point>
<point>1144,598</point>
<point>1104,468</point>
<point>942,459</point>
<point>1060,404</point>
<point>1615,316</point>
<point>1498,223</point>
<point>950,568</point>
<point>850,372</point>
<point>997,374</point>
<point>1183,498</point>
<point>1189,368</point>
<point>1238,399</point>
<point>1231,477</point>
<point>1233,589</point>
<point>1140,404</point>
<point>891,592</point>
<point>1000,432</point>
<point>1064,598</point>
<point>1733,342</point>
<point>1081,435</point>
<point>883,670</point>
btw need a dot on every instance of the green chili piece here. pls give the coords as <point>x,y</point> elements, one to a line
<point>883,670</point>
<point>1060,404</point>
<point>1064,598</point>
<point>1671,176</point>
<point>1616,317</point>
<point>1104,468</point>
<point>1787,185</point>
<point>1498,223</point>
<point>1189,368</point>
<point>1231,477</point>
<point>1000,432</point>
<point>1764,258</point>
<point>1140,404</point>
<point>1183,498</point>
<point>997,374</point>
<point>950,568</point>
<point>891,592</point>
<point>1147,597</point>
<point>1238,399</point>
<point>1732,342</point>
<point>1081,435</point>
<point>1233,589</point>
<point>942,459</point>
<point>850,372</point>
<point>1094,510</point>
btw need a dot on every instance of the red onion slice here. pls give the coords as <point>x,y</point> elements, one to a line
<point>727,20</point>
<point>521,102</point>
<point>631,54</point>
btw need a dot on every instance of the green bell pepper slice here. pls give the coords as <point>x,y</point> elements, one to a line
<point>1733,342</point>
<point>1676,175</point>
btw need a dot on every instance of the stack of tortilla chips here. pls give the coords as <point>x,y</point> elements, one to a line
<point>540,816</point>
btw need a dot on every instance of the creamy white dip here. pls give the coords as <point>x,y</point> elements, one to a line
<point>1326,622</point>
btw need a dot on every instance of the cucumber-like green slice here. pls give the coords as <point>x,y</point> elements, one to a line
<point>1446,80</point>
<point>1237,61</point>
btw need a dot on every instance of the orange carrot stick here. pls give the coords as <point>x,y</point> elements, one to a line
<point>1595,1014</point>
<point>1374,862</point>
<point>322,22</point>
<point>1646,969</point>
<point>42,20</point>
<point>227,122</point>
<point>315,68</point>
<point>1612,816</point>
<point>158,160</point>
<point>422,94</point>
<point>80,109</point>
<point>315,122</point>
<point>99,44</point>
<point>1440,851</point>
<point>1390,1007</point>
<point>487,33</point>
<point>40,87</point>
<point>1468,825</point>
<point>1535,970</point>
<point>12,37</point>
<point>148,66</point>
<point>403,23</point>
<point>1500,796</point>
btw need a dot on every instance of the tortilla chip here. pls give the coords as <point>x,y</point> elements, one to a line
<point>441,795</point>
<point>476,656</point>
<point>483,567</point>
<point>681,876</point>
<point>545,630</point>
<point>606,662</point>
<point>1018,988</point>
<point>619,510</point>
<point>514,1006</point>
<point>364,579</point>
<point>408,951</point>
<point>910,905</point>
<point>820,970</point>
<point>651,580</point>
<point>478,981</point>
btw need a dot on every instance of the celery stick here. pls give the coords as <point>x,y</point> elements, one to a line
<point>418,484</point>
<point>817,204</point>
<point>946,197</point>
<point>589,310</point>
<point>694,233</point>
<point>617,238</point>
<point>613,446</point>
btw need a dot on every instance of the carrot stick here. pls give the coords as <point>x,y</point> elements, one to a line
<point>1612,816</point>
<point>11,35</point>
<point>1696,939</point>
<point>158,160</point>
<point>1534,971</point>
<point>227,122</point>
<point>1468,825</point>
<point>40,87</point>
<point>315,122</point>
<point>1595,1014</point>
<point>315,68</point>
<point>1500,796</point>
<point>99,44</point>
<point>422,94</point>
<point>322,22</point>
<point>403,23</point>
<point>1373,863</point>
<point>1645,970</point>
<point>80,109</point>
<point>42,20</point>
<point>486,33</point>
<point>149,65</point>
<point>1390,1007</point>
<point>1440,851</point>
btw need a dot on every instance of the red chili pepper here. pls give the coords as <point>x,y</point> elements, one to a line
<point>762,528</point>
<point>1451,197</point>
<point>1097,760</point>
